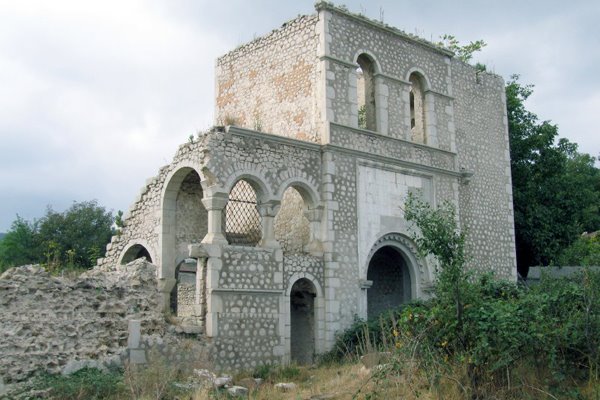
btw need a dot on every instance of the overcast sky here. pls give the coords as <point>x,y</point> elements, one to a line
<point>95,96</point>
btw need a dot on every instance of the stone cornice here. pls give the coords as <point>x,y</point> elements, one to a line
<point>237,131</point>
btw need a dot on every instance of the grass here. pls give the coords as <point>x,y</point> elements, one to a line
<point>399,379</point>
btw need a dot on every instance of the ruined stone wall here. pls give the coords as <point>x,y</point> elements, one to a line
<point>269,84</point>
<point>142,222</point>
<point>49,321</point>
<point>483,149</point>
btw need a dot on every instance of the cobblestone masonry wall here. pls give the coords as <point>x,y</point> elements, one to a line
<point>483,148</point>
<point>269,84</point>
<point>142,221</point>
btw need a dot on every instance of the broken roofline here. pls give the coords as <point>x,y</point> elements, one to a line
<point>327,6</point>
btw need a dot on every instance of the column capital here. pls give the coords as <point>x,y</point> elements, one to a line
<point>216,201</point>
<point>268,208</point>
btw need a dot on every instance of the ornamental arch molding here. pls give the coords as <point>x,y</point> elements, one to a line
<point>418,270</point>
<point>255,178</point>
<point>422,76</point>
<point>373,59</point>
<point>307,190</point>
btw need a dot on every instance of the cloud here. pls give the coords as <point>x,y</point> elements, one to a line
<point>96,96</point>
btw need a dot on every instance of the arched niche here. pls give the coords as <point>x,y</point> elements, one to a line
<point>184,218</point>
<point>134,252</point>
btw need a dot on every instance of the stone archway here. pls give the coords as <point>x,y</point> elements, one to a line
<point>302,318</point>
<point>134,252</point>
<point>389,273</point>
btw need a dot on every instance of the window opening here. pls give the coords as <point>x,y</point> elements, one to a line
<point>242,220</point>
<point>366,93</point>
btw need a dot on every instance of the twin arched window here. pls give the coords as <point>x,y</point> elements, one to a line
<point>242,221</point>
<point>366,99</point>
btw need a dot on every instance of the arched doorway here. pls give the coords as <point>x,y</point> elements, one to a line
<point>389,272</point>
<point>302,318</point>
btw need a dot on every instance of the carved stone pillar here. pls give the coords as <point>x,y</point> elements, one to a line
<point>315,245</point>
<point>268,211</point>
<point>215,204</point>
<point>199,253</point>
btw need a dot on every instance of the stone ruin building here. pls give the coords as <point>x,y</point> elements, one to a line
<point>278,226</point>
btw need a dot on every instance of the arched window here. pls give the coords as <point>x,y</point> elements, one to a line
<point>292,228</point>
<point>366,93</point>
<point>242,220</point>
<point>417,108</point>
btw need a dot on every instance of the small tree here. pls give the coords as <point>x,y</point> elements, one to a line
<point>20,245</point>
<point>439,235</point>
<point>73,238</point>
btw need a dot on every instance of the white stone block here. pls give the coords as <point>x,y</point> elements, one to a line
<point>134,332</point>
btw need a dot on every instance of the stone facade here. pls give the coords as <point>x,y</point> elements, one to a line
<point>332,120</point>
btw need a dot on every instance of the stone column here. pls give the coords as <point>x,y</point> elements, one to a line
<point>200,254</point>
<point>268,211</point>
<point>430,128</point>
<point>214,204</point>
<point>315,245</point>
<point>381,104</point>
<point>352,117</point>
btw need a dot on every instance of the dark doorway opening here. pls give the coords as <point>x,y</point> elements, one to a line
<point>388,270</point>
<point>302,315</point>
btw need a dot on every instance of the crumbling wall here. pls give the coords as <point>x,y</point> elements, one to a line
<point>142,222</point>
<point>49,321</point>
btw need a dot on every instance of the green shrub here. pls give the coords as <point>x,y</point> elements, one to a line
<point>483,330</point>
<point>87,383</point>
